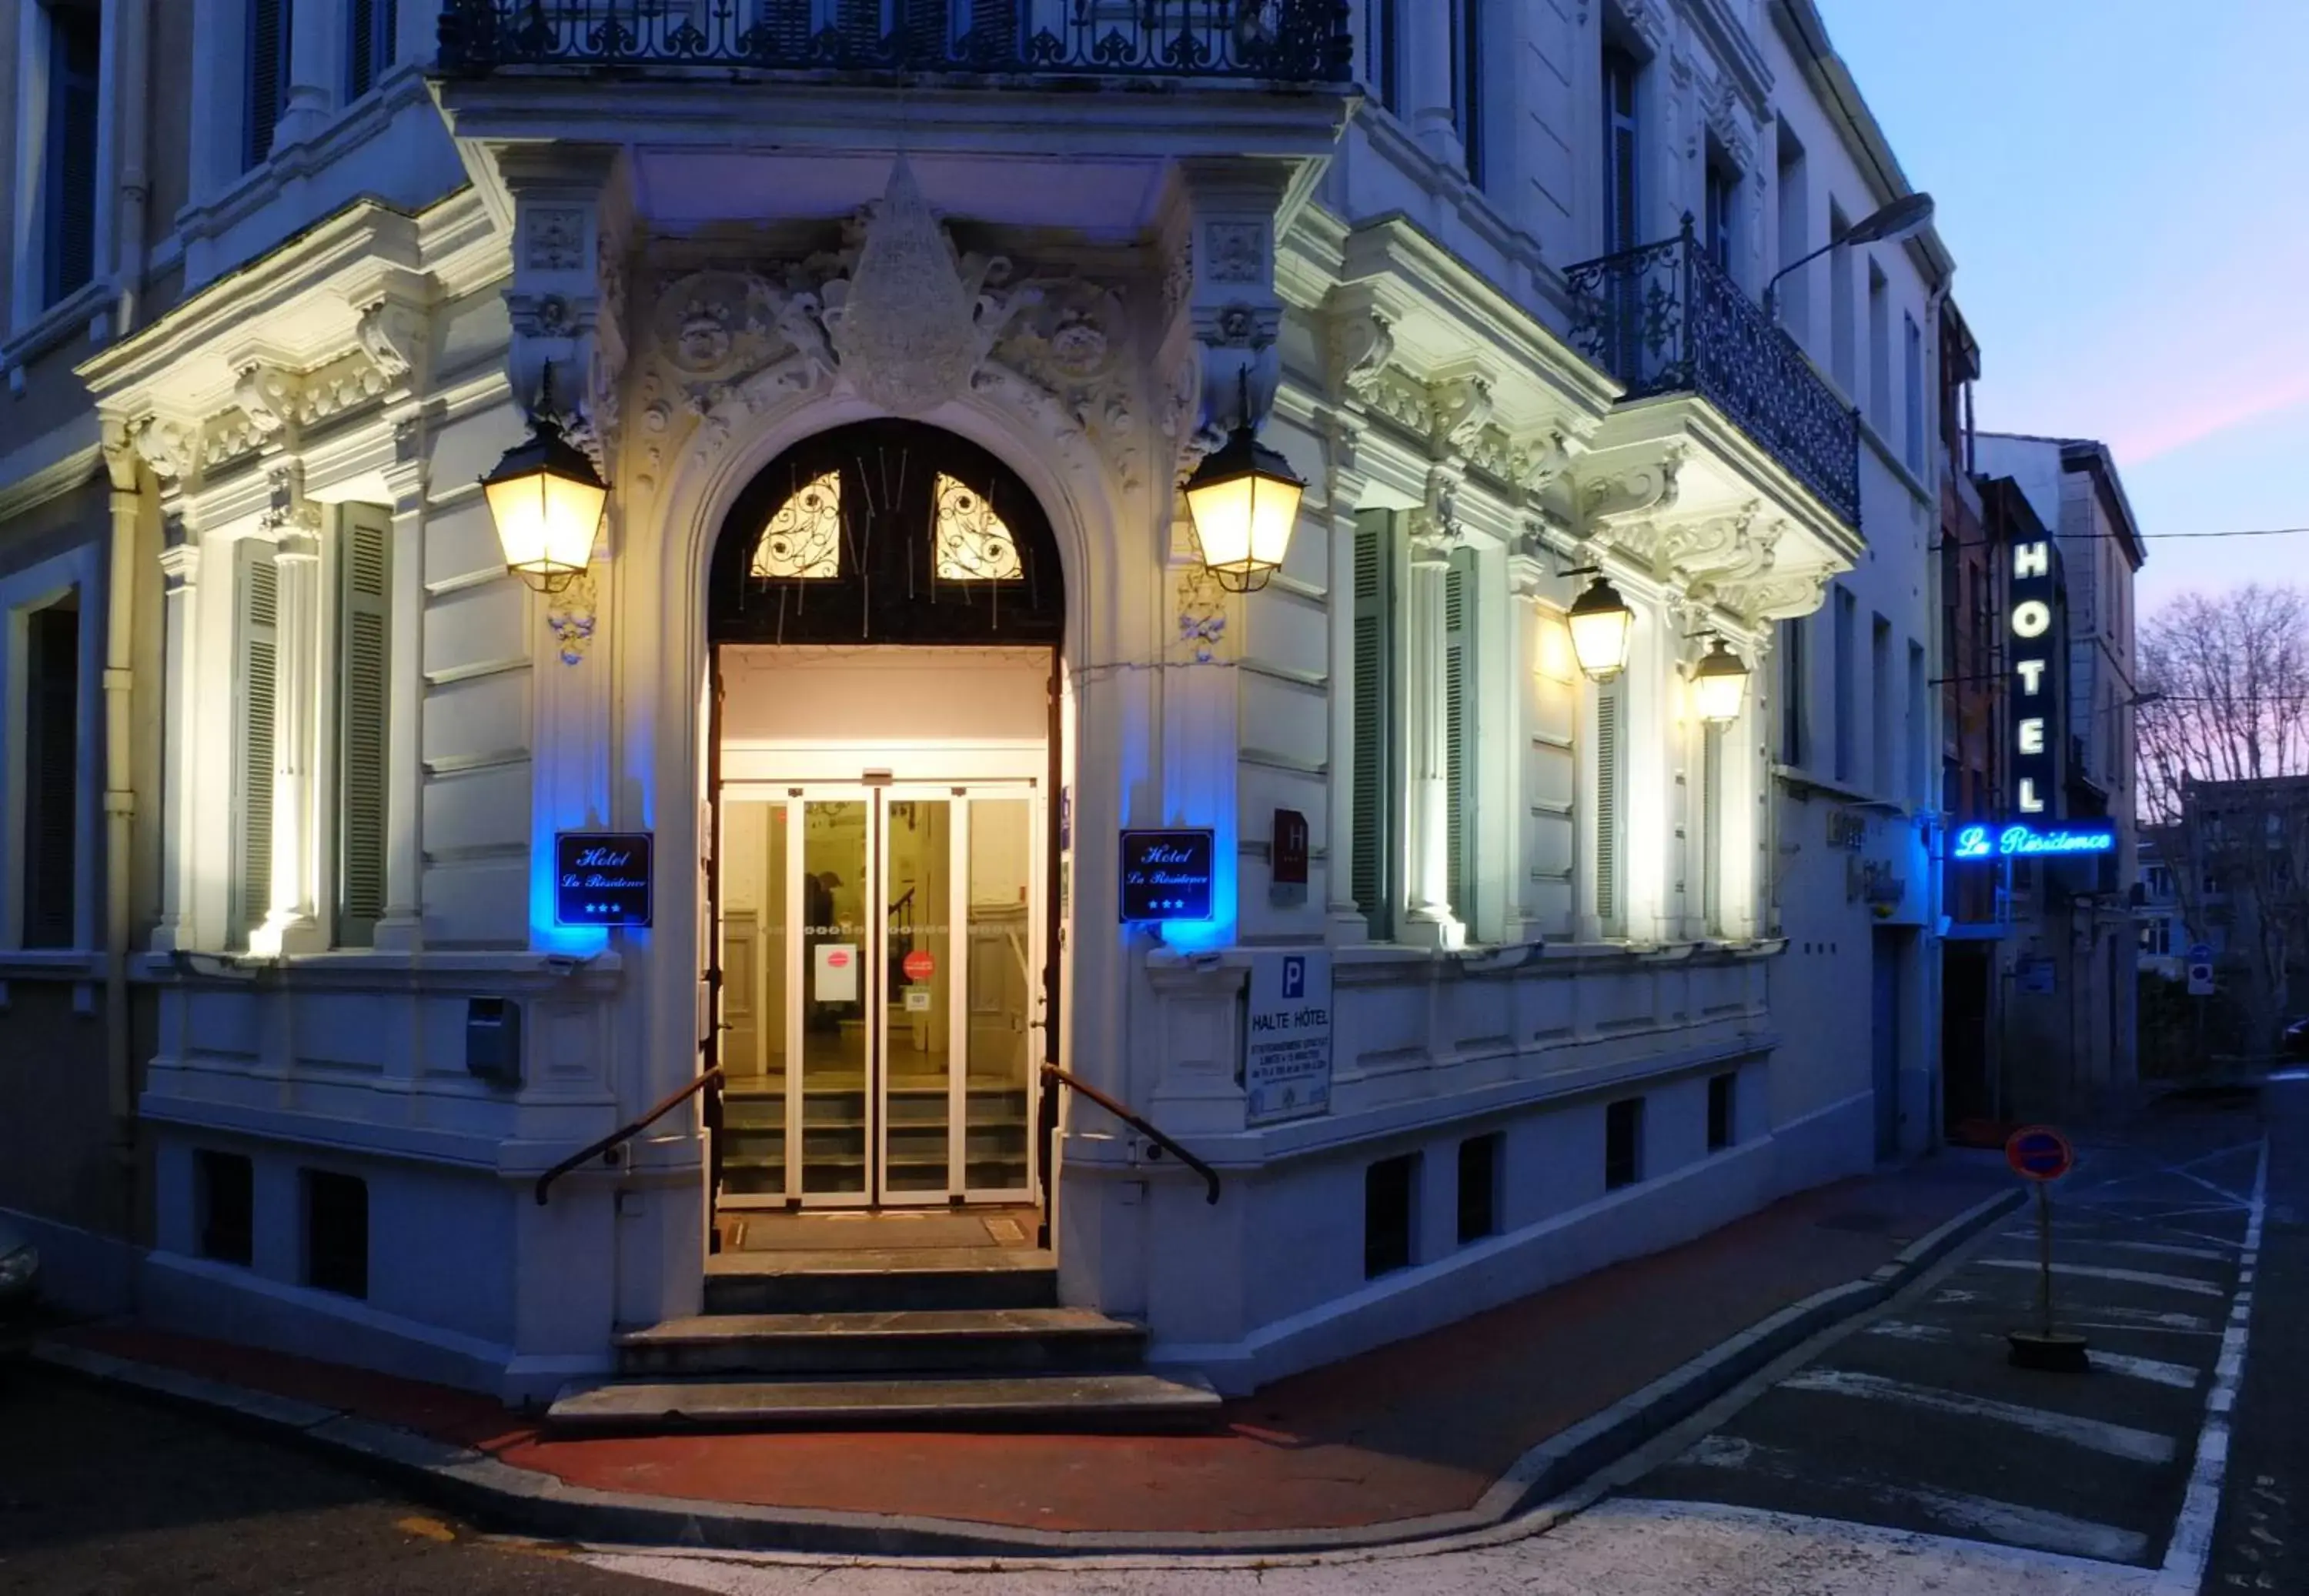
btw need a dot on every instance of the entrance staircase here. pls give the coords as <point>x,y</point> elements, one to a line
<point>943,1338</point>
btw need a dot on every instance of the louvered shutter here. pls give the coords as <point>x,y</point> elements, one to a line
<point>51,772</point>
<point>1711,828</point>
<point>1459,699</point>
<point>993,35</point>
<point>370,27</point>
<point>782,30</point>
<point>74,48</point>
<point>364,694</point>
<point>1368,876</point>
<point>1607,805</point>
<point>260,674</point>
<point>268,75</point>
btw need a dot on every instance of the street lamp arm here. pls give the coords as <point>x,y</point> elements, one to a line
<point>1772,289</point>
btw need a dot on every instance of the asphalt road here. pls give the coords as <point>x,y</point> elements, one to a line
<point>1916,1421</point>
<point>102,1495</point>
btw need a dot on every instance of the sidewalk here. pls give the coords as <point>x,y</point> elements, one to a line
<point>1450,1430</point>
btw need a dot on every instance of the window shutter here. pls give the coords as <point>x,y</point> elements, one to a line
<point>1607,806</point>
<point>75,41</point>
<point>1460,733</point>
<point>260,673</point>
<point>1374,640</point>
<point>51,772</point>
<point>370,27</point>
<point>1711,828</point>
<point>785,28</point>
<point>268,75</point>
<point>364,626</point>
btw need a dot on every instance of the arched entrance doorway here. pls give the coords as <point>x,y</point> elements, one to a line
<point>885,609</point>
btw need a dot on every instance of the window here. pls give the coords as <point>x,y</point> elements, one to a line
<point>336,1233</point>
<point>1389,1189</point>
<point>1462,732</point>
<point>1848,624</point>
<point>364,698</point>
<point>1841,355</point>
<point>804,538</point>
<point>1468,83</point>
<point>1881,723</point>
<point>51,776</point>
<point>225,1193</point>
<point>1372,874</point>
<point>1623,1137</point>
<point>369,28</point>
<point>1880,352</point>
<point>1723,193</point>
<point>258,594</point>
<point>1621,150</point>
<point>1721,1130</point>
<point>973,545</point>
<point>1611,801</point>
<point>1919,789</point>
<point>1912,382</point>
<point>1383,51</point>
<point>1793,295</point>
<point>1793,670</point>
<point>268,77</point>
<point>1479,1183</point>
<point>68,198</point>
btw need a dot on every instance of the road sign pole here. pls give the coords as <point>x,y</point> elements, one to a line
<point>2045,1255</point>
<point>2041,1155</point>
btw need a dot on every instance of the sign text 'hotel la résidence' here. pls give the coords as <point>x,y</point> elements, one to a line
<point>601,878</point>
<point>2035,690</point>
<point>1166,876</point>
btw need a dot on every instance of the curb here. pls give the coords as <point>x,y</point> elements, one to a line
<point>526,1501</point>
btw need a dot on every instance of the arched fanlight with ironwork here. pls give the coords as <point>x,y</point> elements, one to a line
<point>1719,684</point>
<point>547,501</point>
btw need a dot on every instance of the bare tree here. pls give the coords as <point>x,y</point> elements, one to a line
<point>2224,755</point>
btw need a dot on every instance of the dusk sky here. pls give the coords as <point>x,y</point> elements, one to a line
<point>2125,189</point>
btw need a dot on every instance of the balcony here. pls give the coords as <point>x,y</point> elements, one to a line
<point>1287,42</point>
<point>1664,319</point>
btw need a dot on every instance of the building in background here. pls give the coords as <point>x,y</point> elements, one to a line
<point>2070,1035</point>
<point>1974,905</point>
<point>1600,936</point>
<point>2239,880</point>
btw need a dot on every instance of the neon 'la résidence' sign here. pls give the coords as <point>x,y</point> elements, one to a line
<point>2018,841</point>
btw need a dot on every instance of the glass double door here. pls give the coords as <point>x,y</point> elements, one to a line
<point>881,991</point>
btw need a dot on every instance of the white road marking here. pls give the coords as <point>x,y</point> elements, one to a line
<point>1902,1330</point>
<point>2179,1375</point>
<point>2117,1440</point>
<point>2143,1318</point>
<point>2008,1522</point>
<point>2139,1277</point>
<point>2191,1545</point>
<point>2070,1238</point>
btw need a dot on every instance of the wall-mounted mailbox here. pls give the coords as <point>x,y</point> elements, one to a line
<point>493,1039</point>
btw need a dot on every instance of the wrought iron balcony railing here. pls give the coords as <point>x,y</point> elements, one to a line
<point>1666,319</point>
<point>1302,42</point>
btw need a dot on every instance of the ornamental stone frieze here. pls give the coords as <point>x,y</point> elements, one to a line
<point>896,314</point>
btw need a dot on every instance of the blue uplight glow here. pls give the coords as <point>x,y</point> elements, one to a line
<point>1974,843</point>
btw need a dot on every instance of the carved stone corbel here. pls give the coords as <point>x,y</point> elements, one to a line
<point>1434,527</point>
<point>1361,343</point>
<point>1463,408</point>
<point>1632,494</point>
<point>268,397</point>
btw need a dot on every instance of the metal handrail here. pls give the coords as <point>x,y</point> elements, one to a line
<point>627,1132</point>
<point>1131,1117</point>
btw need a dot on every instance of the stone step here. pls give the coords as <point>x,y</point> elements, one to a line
<point>1050,1402</point>
<point>895,1280</point>
<point>1009,1339</point>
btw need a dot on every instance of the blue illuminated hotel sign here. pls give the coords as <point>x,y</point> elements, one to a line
<point>601,878</point>
<point>2036,684</point>
<point>1166,876</point>
<point>2018,841</point>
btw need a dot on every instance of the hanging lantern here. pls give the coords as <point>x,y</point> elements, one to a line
<point>1600,621</point>
<point>1243,500</point>
<point>1719,684</point>
<point>546,499</point>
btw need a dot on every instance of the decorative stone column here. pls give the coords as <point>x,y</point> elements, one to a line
<point>1427,89</point>
<point>401,926</point>
<point>293,924</point>
<point>181,574</point>
<point>1428,917</point>
<point>1346,921</point>
<point>311,98</point>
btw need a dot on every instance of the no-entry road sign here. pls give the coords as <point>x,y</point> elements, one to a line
<point>2039,1153</point>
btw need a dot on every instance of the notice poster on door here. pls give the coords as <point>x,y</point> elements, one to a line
<point>1286,1044</point>
<point>834,979</point>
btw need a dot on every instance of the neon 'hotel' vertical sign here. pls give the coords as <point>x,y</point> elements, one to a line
<point>2036,684</point>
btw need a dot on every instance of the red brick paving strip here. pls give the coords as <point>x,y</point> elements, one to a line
<point>1419,1427</point>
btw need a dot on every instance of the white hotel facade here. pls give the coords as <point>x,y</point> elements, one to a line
<point>892,338</point>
